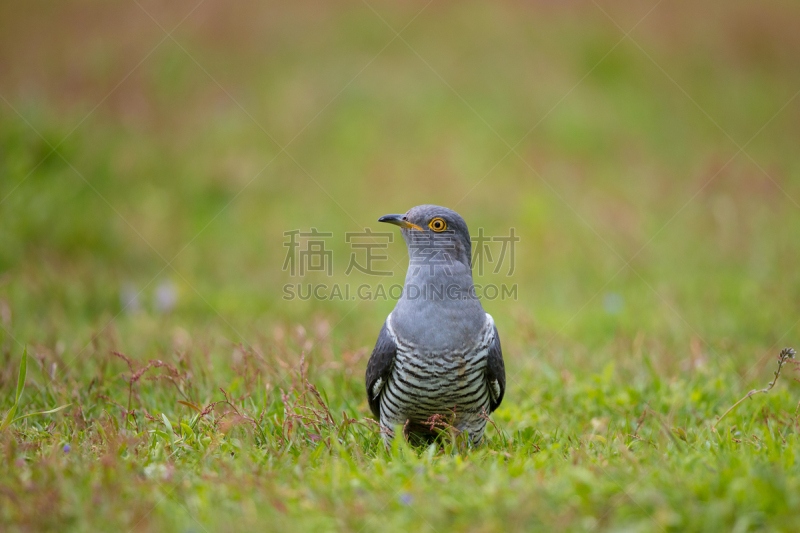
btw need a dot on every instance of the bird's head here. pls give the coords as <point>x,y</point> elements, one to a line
<point>435,232</point>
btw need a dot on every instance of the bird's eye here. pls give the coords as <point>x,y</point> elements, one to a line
<point>437,224</point>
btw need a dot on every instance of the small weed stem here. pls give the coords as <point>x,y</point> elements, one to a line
<point>785,355</point>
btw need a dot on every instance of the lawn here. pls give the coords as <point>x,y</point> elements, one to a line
<point>157,161</point>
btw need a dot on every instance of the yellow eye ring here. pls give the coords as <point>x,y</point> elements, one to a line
<point>437,224</point>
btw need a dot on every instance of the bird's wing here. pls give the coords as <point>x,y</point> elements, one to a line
<point>379,367</point>
<point>495,370</point>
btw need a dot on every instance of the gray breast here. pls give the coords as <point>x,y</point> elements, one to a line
<point>447,382</point>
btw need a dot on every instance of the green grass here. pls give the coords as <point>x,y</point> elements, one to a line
<point>657,269</point>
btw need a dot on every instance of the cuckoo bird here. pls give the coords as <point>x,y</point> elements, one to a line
<point>438,352</point>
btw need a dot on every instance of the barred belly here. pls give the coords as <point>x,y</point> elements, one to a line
<point>452,385</point>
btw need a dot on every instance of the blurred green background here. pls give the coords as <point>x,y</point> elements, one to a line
<point>182,159</point>
<point>644,152</point>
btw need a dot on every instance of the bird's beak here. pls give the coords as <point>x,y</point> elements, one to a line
<point>397,220</point>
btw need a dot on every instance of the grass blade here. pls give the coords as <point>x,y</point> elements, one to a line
<point>167,423</point>
<point>51,411</point>
<point>9,417</point>
<point>187,404</point>
<point>23,372</point>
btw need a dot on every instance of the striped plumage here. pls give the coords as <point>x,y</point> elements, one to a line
<point>436,355</point>
<point>452,384</point>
